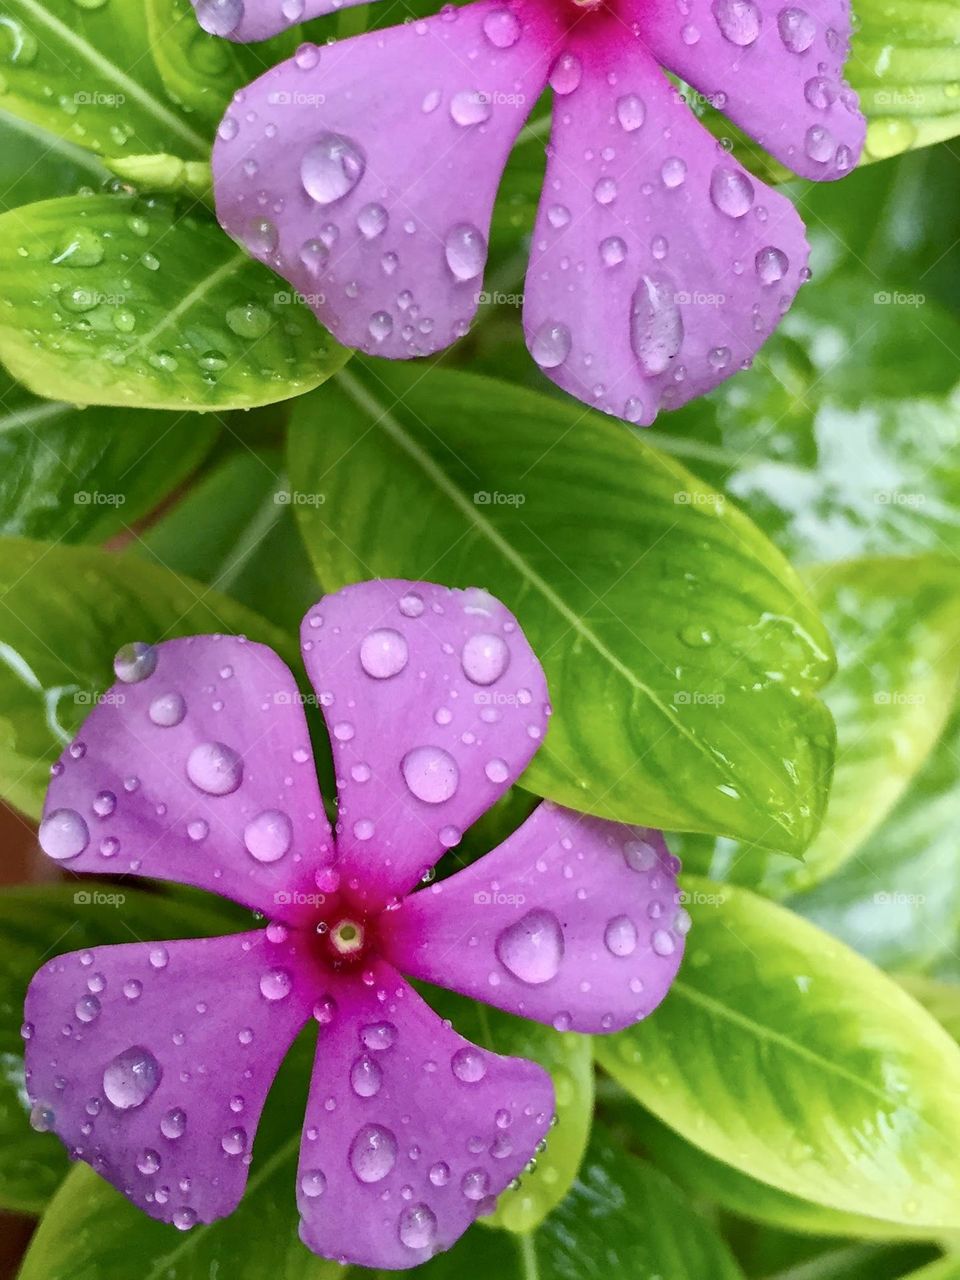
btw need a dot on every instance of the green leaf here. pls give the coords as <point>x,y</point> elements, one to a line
<point>82,475</point>
<point>941,999</point>
<point>844,438</point>
<point>896,627</point>
<point>898,902</point>
<point>781,1052</point>
<point>64,612</point>
<point>681,651</point>
<point>35,923</point>
<point>248,530</point>
<point>85,72</point>
<point>569,1059</point>
<point>36,165</point>
<point>91,1232</point>
<point>115,300</point>
<point>906,67</point>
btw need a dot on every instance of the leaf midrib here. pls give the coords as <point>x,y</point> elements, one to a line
<point>196,294</point>
<point>433,471</point>
<point>161,113</point>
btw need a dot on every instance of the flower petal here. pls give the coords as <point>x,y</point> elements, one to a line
<point>365,174</point>
<point>195,767</point>
<point>774,68</point>
<point>435,704</point>
<point>411,1131</point>
<point>151,1061</point>
<point>247,20</point>
<point>572,921</point>
<point>658,266</point>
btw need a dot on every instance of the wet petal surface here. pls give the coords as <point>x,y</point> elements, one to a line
<point>151,1061</point>
<point>365,172</point>
<point>572,921</point>
<point>411,1131</point>
<point>248,20</point>
<point>195,767</point>
<point>435,704</point>
<point>658,265</point>
<point>775,69</point>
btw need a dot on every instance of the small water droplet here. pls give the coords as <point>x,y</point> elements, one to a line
<point>63,835</point>
<point>135,662</point>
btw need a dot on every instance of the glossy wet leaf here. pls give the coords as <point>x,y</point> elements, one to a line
<point>64,612</point>
<point>569,1059</point>
<point>35,923</point>
<point>84,71</point>
<point>844,438</point>
<point>896,627</point>
<point>36,165</point>
<point>90,1231</point>
<point>112,300</point>
<point>780,1051</point>
<point>898,901</point>
<point>82,475</point>
<point>906,67</point>
<point>682,654</point>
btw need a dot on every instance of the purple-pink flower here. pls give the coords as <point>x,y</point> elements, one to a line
<point>365,173</point>
<point>152,1061</point>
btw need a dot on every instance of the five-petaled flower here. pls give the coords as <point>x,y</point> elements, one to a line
<point>152,1061</point>
<point>365,173</point>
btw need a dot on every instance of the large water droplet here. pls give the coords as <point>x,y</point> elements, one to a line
<point>275,984</point>
<point>313,1183</point>
<point>131,1078</point>
<point>269,835</point>
<point>168,710</point>
<point>331,167</point>
<point>468,1065</point>
<point>797,29</point>
<point>772,265</point>
<point>484,658</point>
<point>418,1227</point>
<point>219,17</point>
<point>373,1153</point>
<point>551,344</point>
<point>631,112</point>
<point>134,662</point>
<point>366,1077</point>
<point>465,250</point>
<point>431,774</point>
<point>731,191</point>
<point>532,948</point>
<point>378,1035</point>
<point>620,936</point>
<point>819,144</point>
<point>215,768</point>
<point>234,1142</point>
<point>502,28</point>
<point>470,107</point>
<point>656,326</point>
<point>639,855</point>
<point>63,835</point>
<point>738,20</point>
<point>174,1123</point>
<point>383,653</point>
<point>566,73</point>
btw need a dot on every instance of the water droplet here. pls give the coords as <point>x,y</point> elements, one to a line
<point>378,1035</point>
<point>275,984</point>
<point>261,237</point>
<point>159,958</point>
<point>440,1174</point>
<point>131,1078</point>
<point>268,836</point>
<point>411,605</point>
<point>168,710</point>
<point>465,250</point>
<point>383,653</point>
<point>104,804</point>
<point>373,1153</point>
<point>185,1218</point>
<point>731,191</point>
<point>468,1065</point>
<point>620,936</point>
<point>484,658</point>
<point>738,20</point>
<point>470,107</point>
<point>431,774</point>
<point>502,28</point>
<point>234,1142</point>
<point>372,221</point>
<point>656,326</point>
<point>797,29</point>
<point>639,855</point>
<point>366,1077</point>
<point>87,1008</point>
<point>148,1162</point>
<point>819,144</point>
<point>198,829</point>
<point>631,112</point>
<point>551,344</point>
<point>497,770</point>
<point>475,1184</point>
<point>566,73</point>
<point>248,321</point>
<point>42,1117</point>
<point>532,948</point>
<point>772,265</point>
<point>331,167</point>
<point>663,943</point>
<point>134,662</point>
<point>173,1123</point>
<point>418,1227</point>
<point>63,835</point>
<point>215,768</point>
<point>219,17</point>
<point>673,172</point>
<point>313,1183</point>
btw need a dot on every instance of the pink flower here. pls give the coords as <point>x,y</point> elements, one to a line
<point>365,173</point>
<point>152,1061</point>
